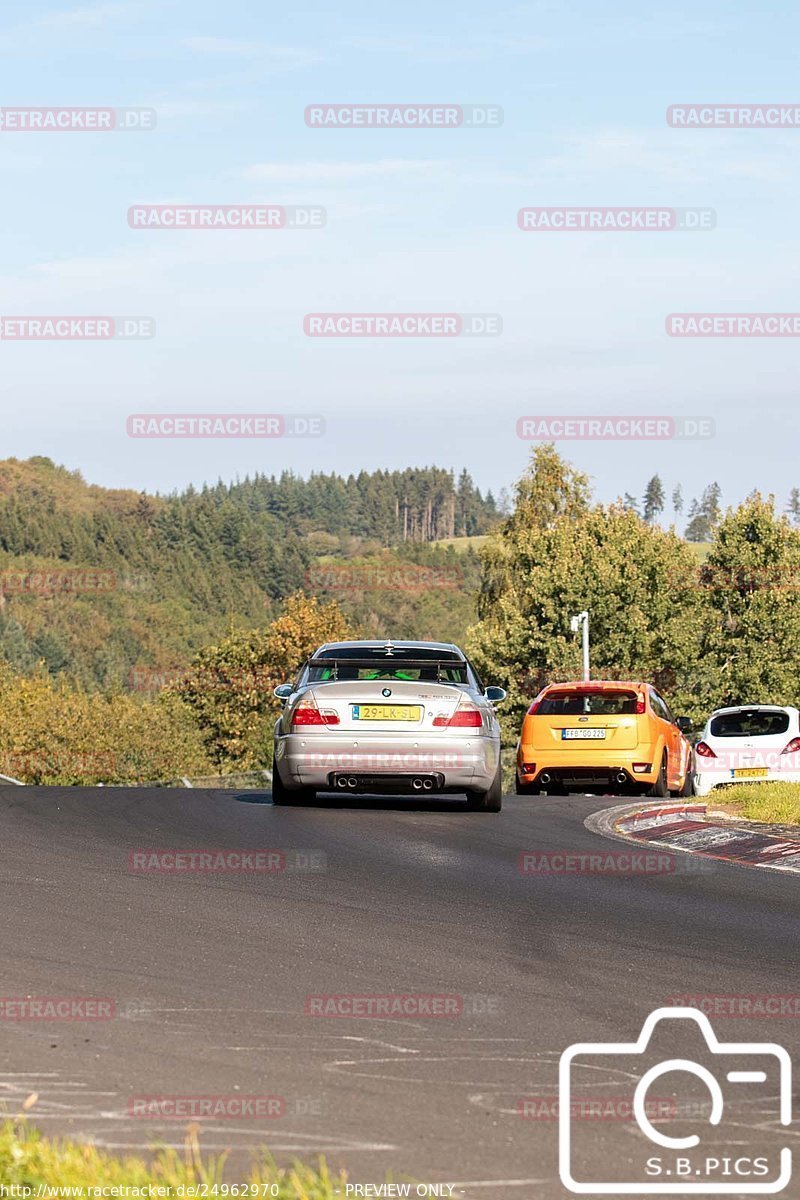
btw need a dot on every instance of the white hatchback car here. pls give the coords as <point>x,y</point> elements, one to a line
<point>750,742</point>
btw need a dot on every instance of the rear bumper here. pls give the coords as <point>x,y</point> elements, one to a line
<point>455,763</point>
<point>706,780</point>
<point>597,768</point>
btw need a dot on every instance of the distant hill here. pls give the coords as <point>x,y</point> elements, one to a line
<point>172,573</point>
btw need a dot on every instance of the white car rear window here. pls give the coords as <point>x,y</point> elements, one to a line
<point>749,723</point>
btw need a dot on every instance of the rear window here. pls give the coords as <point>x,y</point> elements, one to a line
<point>593,704</point>
<point>423,666</point>
<point>749,723</point>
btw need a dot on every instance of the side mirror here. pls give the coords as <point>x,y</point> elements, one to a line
<point>685,724</point>
<point>283,691</point>
<point>495,694</point>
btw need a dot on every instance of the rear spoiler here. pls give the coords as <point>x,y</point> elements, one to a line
<point>394,660</point>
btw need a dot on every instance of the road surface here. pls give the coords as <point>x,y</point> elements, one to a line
<point>210,973</point>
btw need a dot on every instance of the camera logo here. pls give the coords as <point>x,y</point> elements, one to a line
<point>675,1156</point>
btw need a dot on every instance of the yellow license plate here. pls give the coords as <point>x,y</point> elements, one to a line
<point>387,712</point>
<point>750,773</point>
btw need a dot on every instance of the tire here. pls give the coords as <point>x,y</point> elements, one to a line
<point>491,801</point>
<point>282,796</point>
<point>660,789</point>
<point>687,790</point>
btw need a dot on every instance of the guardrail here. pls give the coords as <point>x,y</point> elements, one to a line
<point>241,779</point>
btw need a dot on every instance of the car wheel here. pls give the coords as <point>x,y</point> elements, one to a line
<point>491,801</point>
<point>660,788</point>
<point>688,784</point>
<point>281,795</point>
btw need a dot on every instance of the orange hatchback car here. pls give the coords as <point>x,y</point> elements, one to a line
<point>612,736</point>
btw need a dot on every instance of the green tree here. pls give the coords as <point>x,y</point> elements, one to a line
<point>793,507</point>
<point>677,499</point>
<point>550,490</point>
<point>704,515</point>
<point>653,501</point>
<point>750,640</point>
<point>229,685</point>
<point>630,576</point>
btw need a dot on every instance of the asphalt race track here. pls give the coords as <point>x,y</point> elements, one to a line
<point>209,973</point>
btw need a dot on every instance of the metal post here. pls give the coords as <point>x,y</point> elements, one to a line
<point>581,621</point>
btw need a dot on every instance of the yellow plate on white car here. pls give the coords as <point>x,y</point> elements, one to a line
<point>750,773</point>
<point>387,712</point>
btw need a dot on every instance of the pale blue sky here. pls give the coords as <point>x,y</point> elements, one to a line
<point>417,221</point>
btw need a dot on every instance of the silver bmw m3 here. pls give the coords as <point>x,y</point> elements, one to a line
<point>378,717</point>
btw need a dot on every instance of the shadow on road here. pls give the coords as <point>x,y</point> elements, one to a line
<point>335,800</point>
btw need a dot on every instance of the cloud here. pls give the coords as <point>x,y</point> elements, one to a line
<point>287,57</point>
<point>666,155</point>
<point>343,172</point>
<point>97,15</point>
<point>445,48</point>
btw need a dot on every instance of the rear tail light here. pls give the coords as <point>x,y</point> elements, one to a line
<point>466,716</point>
<point>705,751</point>
<point>309,713</point>
<point>640,705</point>
<point>528,768</point>
<point>642,768</point>
<point>793,747</point>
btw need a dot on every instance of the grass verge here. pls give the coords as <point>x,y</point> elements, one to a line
<point>29,1160</point>
<point>773,802</point>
